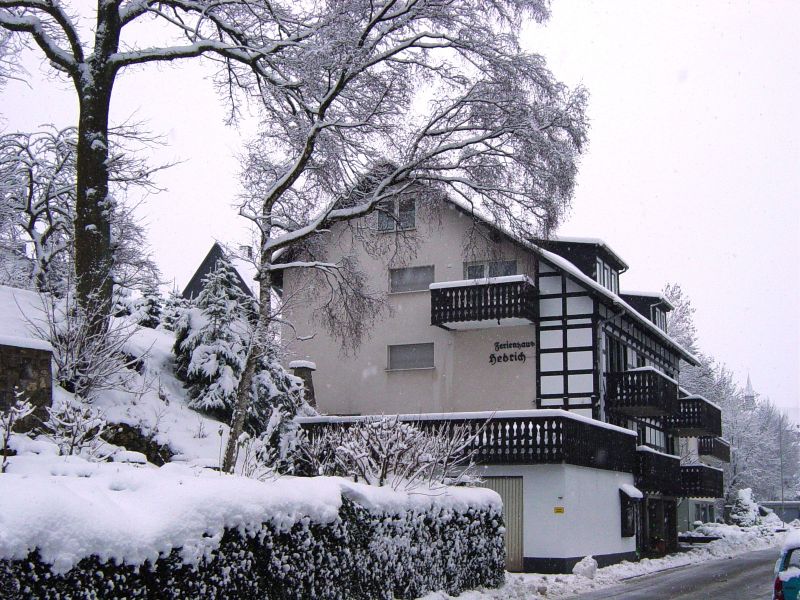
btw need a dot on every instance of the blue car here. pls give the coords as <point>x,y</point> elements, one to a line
<point>787,570</point>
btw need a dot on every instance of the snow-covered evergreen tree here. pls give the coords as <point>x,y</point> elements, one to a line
<point>211,341</point>
<point>744,511</point>
<point>148,310</point>
<point>174,306</point>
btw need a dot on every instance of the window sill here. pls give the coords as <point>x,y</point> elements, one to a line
<point>398,230</point>
<point>411,369</point>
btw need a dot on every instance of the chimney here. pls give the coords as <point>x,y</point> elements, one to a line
<point>246,252</point>
<point>304,369</point>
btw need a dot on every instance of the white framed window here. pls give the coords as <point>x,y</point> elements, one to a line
<point>396,215</point>
<point>484,269</point>
<point>660,318</point>
<point>410,356</point>
<point>606,276</point>
<point>410,279</point>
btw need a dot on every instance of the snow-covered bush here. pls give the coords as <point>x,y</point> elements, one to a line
<point>387,451</point>
<point>76,428</point>
<point>744,511</point>
<point>10,418</point>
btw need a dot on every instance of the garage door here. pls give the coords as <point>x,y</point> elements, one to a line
<point>510,490</point>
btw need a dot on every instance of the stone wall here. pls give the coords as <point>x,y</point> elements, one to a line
<point>28,370</point>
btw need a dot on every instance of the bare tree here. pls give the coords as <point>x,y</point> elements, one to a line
<point>380,99</point>
<point>37,187</point>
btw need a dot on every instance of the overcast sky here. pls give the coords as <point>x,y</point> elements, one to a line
<point>692,174</point>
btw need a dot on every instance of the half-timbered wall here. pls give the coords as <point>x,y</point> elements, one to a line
<point>567,349</point>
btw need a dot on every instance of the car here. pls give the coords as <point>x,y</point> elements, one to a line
<point>787,569</point>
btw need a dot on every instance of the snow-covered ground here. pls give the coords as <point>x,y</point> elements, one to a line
<point>530,586</point>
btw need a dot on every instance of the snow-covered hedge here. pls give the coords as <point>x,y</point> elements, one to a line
<point>88,530</point>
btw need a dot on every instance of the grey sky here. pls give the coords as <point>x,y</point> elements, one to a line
<point>691,174</point>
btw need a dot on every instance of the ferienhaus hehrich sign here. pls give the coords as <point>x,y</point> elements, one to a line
<point>510,352</point>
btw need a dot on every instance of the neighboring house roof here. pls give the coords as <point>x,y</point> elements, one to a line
<point>21,314</point>
<point>245,272</point>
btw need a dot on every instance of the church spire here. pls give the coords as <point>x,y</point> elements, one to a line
<point>749,394</point>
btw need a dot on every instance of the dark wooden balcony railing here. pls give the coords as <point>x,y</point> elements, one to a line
<point>498,299</point>
<point>715,447</point>
<point>658,473</point>
<point>528,437</point>
<point>641,393</point>
<point>696,417</point>
<point>701,481</point>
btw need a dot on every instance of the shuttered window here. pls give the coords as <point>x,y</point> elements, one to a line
<point>411,356</point>
<point>410,279</point>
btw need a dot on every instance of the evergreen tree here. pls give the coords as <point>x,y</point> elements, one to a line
<point>211,341</point>
<point>174,306</point>
<point>148,313</point>
<point>744,511</point>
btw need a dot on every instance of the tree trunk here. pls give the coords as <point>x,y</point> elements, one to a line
<point>93,206</point>
<point>254,353</point>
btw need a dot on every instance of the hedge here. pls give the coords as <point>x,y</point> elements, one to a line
<point>360,555</point>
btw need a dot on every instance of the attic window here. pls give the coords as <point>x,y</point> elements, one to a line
<point>397,215</point>
<point>659,318</point>
<point>607,276</point>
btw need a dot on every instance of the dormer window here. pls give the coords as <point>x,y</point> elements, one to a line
<point>494,268</point>
<point>659,317</point>
<point>397,215</point>
<point>607,276</point>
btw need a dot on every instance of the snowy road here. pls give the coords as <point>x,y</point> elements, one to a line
<point>744,577</point>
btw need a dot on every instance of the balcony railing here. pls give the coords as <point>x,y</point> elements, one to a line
<point>701,481</point>
<point>658,473</point>
<point>641,392</point>
<point>715,447</point>
<point>528,437</point>
<point>475,303</point>
<point>696,417</point>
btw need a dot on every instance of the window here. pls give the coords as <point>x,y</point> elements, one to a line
<point>497,268</point>
<point>607,276</point>
<point>616,356</point>
<point>629,508</point>
<point>397,215</point>
<point>660,318</point>
<point>410,279</point>
<point>411,356</point>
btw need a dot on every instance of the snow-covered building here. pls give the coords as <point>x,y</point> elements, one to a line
<point>577,380</point>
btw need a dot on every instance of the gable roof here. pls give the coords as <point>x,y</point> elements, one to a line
<point>240,267</point>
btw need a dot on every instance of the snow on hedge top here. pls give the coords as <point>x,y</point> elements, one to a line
<point>20,312</point>
<point>70,509</point>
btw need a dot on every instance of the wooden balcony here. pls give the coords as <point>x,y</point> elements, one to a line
<point>701,481</point>
<point>657,473</point>
<point>641,392</point>
<point>525,437</point>
<point>478,303</point>
<point>714,447</point>
<point>696,417</point>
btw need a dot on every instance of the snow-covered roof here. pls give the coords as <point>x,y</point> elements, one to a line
<point>247,271</point>
<point>590,240</point>
<point>474,415</point>
<point>565,265</point>
<point>631,491</point>
<point>303,364</point>
<point>21,313</point>
<point>656,295</point>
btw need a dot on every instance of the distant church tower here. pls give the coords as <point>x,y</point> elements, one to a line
<point>749,394</point>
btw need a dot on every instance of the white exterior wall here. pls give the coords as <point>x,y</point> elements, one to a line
<point>462,378</point>
<point>591,521</point>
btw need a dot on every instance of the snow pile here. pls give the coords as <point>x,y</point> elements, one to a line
<point>586,567</point>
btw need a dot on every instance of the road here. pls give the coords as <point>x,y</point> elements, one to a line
<point>745,577</point>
